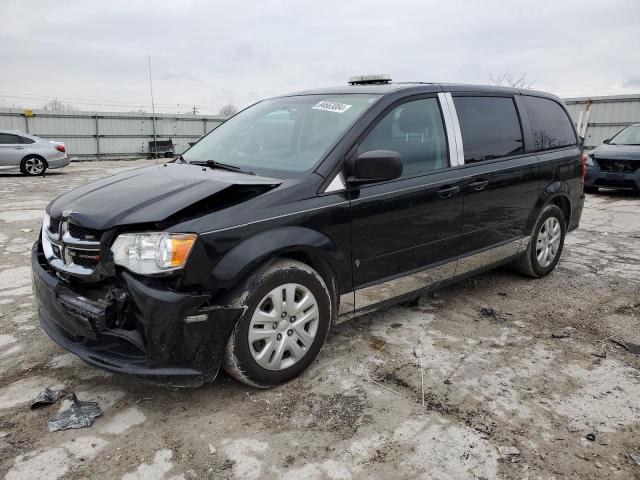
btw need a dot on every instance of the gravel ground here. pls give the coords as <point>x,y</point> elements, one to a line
<point>497,377</point>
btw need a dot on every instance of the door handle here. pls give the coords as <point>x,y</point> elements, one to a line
<point>446,192</point>
<point>18,148</point>
<point>479,184</point>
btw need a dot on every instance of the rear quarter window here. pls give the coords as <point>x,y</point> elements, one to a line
<point>26,140</point>
<point>550,124</point>
<point>490,127</point>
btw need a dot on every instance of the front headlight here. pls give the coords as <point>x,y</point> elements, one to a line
<point>154,252</point>
<point>590,161</point>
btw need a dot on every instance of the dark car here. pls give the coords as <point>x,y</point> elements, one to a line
<point>616,163</point>
<point>298,213</point>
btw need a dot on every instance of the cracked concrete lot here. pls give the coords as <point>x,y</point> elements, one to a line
<point>517,380</point>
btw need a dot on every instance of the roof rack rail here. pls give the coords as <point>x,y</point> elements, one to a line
<point>369,79</point>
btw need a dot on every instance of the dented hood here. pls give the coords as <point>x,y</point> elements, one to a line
<point>146,195</point>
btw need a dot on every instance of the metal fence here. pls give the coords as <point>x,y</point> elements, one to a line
<point>104,135</point>
<point>599,118</point>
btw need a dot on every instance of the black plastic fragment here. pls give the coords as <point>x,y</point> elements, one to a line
<point>46,396</point>
<point>80,415</point>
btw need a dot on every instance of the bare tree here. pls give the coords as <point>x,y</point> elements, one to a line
<point>56,105</point>
<point>228,111</point>
<point>518,80</point>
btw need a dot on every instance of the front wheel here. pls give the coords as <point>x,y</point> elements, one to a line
<point>283,328</point>
<point>545,246</point>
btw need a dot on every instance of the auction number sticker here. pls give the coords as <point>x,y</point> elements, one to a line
<point>332,107</point>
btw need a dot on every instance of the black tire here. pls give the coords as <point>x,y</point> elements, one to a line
<point>238,359</point>
<point>29,165</point>
<point>168,154</point>
<point>591,189</point>
<point>528,263</point>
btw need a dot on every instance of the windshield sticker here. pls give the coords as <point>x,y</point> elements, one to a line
<point>332,107</point>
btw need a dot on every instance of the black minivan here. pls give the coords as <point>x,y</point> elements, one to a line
<point>300,212</point>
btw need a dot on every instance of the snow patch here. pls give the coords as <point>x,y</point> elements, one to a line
<point>154,470</point>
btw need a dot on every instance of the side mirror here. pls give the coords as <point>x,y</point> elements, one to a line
<point>606,141</point>
<point>374,166</point>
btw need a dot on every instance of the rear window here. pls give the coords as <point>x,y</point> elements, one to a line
<point>550,124</point>
<point>490,127</point>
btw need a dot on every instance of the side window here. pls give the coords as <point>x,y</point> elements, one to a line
<point>550,123</point>
<point>7,138</point>
<point>25,140</point>
<point>414,130</point>
<point>490,127</point>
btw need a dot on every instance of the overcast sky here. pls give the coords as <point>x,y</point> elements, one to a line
<point>209,53</point>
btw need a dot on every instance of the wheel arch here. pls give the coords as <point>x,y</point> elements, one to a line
<point>556,193</point>
<point>244,263</point>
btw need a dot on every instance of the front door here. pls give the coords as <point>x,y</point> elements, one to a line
<point>404,231</point>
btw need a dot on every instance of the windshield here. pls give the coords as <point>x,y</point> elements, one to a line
<point>627,136</point>
<point>282,137</point>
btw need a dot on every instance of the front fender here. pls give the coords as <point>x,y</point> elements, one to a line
<point>264,246</point>
<point>549,194</point>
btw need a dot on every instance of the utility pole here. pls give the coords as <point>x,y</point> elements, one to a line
<point>195,110</point>
<point>153,111</point>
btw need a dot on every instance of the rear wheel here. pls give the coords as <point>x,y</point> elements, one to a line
<point>545,245</point>
<point>283,328</point>
<point>33,165</point>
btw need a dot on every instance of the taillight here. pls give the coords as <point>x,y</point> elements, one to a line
<point>583,161</point>
<point>60,148</point>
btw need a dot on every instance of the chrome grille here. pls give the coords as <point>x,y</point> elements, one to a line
<point>71,248</point>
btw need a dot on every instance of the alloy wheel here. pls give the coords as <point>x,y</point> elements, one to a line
<point>34,166</point>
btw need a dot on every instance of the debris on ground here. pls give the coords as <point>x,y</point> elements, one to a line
<point>591,437</point>
<point>212,449</point>
<point>489,312</point>
<point>635,456</point>
<point>628,346</point>
<point>560,335</point>
<point>80,414</point>
<point>47,396</point>
<point>506,450</point>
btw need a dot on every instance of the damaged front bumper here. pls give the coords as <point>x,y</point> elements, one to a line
<point>174,338</point>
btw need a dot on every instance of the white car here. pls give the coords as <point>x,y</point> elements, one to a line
<point>33,155</point>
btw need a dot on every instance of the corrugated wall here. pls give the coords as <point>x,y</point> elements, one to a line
<point>108,135</point>
<point>599,118</point>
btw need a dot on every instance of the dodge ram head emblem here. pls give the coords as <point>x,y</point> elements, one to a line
<point>67,213</point>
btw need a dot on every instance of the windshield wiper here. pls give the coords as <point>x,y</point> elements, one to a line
<point>223,166</point>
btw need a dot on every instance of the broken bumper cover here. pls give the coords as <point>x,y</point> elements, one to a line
<point>166,348</point>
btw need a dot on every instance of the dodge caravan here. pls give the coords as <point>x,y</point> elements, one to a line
<point>300,212</point>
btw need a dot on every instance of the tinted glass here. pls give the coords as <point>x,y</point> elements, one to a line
<point>282,137</point>
<point>490,127</point>
<point>26,140</point>
<point>414,130</point>
<point>550,124</point>
<point>6,138</point>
